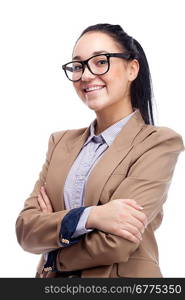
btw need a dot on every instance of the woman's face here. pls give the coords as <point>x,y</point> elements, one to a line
<point>114,86</point>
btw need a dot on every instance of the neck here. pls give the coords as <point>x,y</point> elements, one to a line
<point>109,117</point>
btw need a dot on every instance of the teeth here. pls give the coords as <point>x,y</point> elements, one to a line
<point>93,88</point>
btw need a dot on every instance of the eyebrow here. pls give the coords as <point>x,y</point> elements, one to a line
<point>94,53</point>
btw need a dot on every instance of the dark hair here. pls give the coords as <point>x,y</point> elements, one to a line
<point>141,87</point>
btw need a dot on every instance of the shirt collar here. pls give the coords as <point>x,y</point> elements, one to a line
<point>109,134</point>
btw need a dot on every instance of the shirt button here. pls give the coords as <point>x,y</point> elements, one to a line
<point>86,165</point>
<point>80,177</point>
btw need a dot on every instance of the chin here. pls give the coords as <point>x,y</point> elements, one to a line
<point>98,108</point>
<point>95,107</point>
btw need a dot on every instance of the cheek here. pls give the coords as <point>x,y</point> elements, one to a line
<point>116,81</point>
<point>77,88</point>
<point>119,73</point>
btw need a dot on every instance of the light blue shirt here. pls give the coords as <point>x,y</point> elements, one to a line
<point>92,150</point>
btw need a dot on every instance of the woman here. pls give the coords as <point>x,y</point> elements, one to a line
<point>70,217</point>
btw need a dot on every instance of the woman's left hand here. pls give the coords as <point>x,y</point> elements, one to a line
<point>44,201</point>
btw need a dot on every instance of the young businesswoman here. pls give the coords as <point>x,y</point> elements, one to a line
<point>99,196</point>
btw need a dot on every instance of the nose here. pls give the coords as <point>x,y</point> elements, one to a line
<point>87,75</point>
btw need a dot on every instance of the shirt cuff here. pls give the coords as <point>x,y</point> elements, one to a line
<point>81,229</point>
<point>67,229</point>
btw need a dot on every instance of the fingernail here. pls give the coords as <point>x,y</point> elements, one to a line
<point>140,207</point>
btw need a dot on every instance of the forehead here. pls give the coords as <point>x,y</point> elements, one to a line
<point>92,42</point>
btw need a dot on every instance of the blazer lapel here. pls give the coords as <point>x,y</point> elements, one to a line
<point>65,153</point>
<point>118,150</point>
<point>70,150</point>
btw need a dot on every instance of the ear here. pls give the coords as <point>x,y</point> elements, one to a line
<point>133,69</point>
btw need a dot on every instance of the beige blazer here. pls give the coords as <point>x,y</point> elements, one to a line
<point>138,165</point>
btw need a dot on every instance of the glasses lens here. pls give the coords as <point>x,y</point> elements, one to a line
<point>99,64</point>
<point>74,70</point>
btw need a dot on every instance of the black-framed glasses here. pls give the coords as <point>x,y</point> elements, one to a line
<point>98,65</point>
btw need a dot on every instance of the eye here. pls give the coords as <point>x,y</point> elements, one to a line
<point>77,68</point>
<point>102,62</point>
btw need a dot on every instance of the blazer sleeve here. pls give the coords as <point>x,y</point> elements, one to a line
<point>147,182</point>
<point>38,232</point>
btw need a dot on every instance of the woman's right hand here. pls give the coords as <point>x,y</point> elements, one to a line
<point>122,217</point>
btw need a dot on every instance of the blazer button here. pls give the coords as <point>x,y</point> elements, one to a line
<point>48,269</point>
<point>65,241</point>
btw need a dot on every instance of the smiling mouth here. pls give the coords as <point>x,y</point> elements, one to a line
<point>92,89</point>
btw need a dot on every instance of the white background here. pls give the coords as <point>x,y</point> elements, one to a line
<point>36,37</point>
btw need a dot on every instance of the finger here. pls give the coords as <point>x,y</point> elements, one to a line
<point>133,203</point>
<point>136,206</point>
<point>42,203</point>
<point>136,223</point>
<point>46,199</point>
<point>133,230</point>
<point>128,236</point>
<point>140,216</point>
